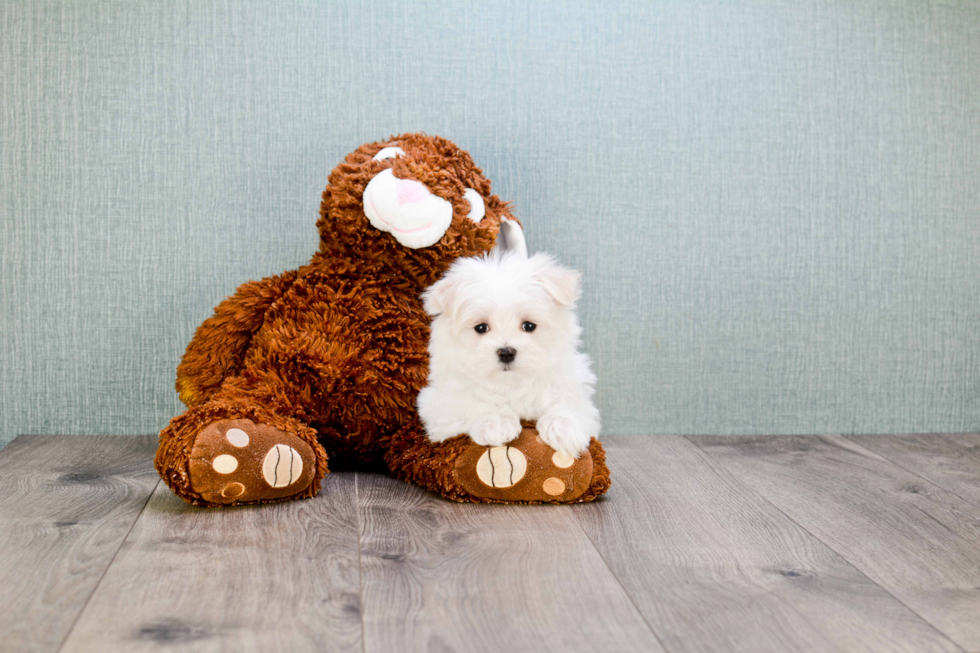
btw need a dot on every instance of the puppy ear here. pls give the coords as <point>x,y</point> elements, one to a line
<point>440,296</point>
<point>562,284</point>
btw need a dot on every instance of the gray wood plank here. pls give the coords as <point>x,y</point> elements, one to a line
<point>714,567</point>
<point>950,460</point>
<point>915,539</point>
<point>441,576</point>
<point>280,577</point>
<point>66,505</point>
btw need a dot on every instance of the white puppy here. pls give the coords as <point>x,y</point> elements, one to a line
<point>505,347</point>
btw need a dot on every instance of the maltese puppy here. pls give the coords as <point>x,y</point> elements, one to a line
<point>505,348</point>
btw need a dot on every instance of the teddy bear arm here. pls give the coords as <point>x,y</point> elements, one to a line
<point>220,343</point>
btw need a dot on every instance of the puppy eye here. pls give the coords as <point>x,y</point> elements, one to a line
<point>388,153</point>
<point>481,328</point>
<point>477,208</point>
<point>529,326</point>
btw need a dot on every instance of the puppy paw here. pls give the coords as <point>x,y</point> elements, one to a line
<point>496,430</point>
<point>563,434</point>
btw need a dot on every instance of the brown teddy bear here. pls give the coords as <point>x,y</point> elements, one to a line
<point>325,362</point>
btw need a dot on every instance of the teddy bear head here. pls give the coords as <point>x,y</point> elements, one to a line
<point>417,202</point>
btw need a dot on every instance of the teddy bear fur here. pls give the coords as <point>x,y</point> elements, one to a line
<point>335,353</point>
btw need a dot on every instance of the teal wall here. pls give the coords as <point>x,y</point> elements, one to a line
<point>775,203</point>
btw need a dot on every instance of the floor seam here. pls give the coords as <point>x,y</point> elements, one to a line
<point>105,571</point>
<point>612,573</point>
<point>913,472</point>
<point>853,566</point>
<point>360,569</point>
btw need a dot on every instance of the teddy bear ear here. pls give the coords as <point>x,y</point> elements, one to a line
<point>511,238</point>
<point>562,284</point>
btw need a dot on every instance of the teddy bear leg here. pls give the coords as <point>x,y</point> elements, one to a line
<point>526,470</point>
<point>228,452</point>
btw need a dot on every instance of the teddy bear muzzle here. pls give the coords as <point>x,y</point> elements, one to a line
<point>406,209</point>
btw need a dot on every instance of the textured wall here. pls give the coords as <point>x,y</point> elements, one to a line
<point>774,203</point>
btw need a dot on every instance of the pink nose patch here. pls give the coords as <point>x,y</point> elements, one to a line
<point>410,191</point>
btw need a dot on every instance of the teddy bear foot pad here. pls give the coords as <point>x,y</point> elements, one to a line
<point>238,461</point>
<point>524,470</point>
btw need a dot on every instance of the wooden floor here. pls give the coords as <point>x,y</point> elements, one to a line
<point>756,544</point>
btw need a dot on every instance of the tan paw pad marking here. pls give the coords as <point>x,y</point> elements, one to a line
<point>282,466</point>
<point>225,464</point>
<point>562,460</point>
<point>501,466</point>
<point>237,438</point>
<point>233,491</point>
<point>553,486</point>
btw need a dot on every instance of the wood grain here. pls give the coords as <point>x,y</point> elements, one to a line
<point>950,460</point>
<point>280,577</point>
<point>714,567</point>
<point>66,505</point>
<point>736,544</point>
<point>440,576</point>
<point>912,537</point>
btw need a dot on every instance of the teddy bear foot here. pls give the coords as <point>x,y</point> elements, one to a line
<point>527,470</point>
<point>237,461</point>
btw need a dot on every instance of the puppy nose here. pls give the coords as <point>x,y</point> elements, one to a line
<point>506,354</point>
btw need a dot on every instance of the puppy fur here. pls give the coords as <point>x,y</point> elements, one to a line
<point>474,387</point>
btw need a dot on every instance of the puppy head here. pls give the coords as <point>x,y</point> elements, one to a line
<point>503,314</point>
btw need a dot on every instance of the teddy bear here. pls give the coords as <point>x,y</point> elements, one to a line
<point>318,369</point>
